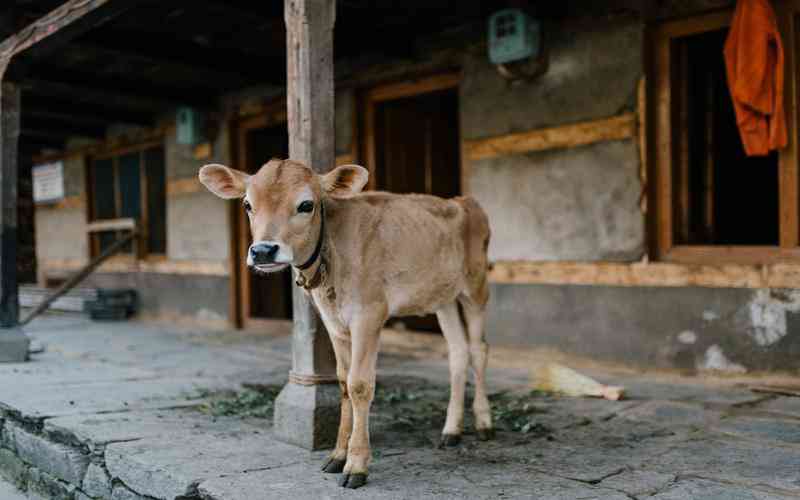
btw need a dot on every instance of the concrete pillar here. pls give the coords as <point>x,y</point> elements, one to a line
<point>307,409</point>
<point>13,343</point>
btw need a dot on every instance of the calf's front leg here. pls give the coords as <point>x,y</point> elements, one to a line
<point>361,389</point>
<point>336,460</point>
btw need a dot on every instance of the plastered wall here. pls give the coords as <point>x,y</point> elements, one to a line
<point>562,204</point>
<point>61,232</point>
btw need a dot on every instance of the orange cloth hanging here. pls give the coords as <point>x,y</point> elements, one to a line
<point>754,63</point>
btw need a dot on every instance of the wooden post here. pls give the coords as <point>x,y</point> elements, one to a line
<point>307,410</point>
<point>13,343</point>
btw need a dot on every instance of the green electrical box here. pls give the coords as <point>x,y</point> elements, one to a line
<point>513,35</point>
<point>189,126</point>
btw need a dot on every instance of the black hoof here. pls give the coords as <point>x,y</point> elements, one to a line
<point>333,465</point>
<point>353,481</point>
<point>449,440</point>
<point>485,434</point>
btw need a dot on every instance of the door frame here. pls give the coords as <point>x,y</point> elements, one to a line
<point>270,115</point>
<point>397,90</point>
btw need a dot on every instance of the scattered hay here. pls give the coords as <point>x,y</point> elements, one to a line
<point>407,405</point>
<point>517,413</point>
<point>253,401</point>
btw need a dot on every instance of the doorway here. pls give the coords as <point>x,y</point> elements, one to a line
<point>417,147</point>
<point>262,297</point>
<point>412,145</point>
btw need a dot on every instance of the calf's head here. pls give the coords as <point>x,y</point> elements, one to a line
<point>283,201</point>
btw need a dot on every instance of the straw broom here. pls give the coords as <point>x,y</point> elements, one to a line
<point>553,377</point>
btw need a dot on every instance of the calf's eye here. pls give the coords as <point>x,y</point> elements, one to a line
<point>305,207</point>
<point>247,206</point>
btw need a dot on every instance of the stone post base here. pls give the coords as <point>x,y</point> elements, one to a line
<point>14,346</point>
<point>308,415</point>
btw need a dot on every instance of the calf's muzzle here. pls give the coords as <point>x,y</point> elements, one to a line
<point>263,253</point>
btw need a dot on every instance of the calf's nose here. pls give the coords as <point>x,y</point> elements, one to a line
<point>263,253</point>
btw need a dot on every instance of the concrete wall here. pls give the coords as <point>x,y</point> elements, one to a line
<point>174,297</point>
<point>61,232</point>
<point>574,204</point>
<point>197,228</point>
<point>569,204</point>
<point>725,329</point>
<point>197,223</point>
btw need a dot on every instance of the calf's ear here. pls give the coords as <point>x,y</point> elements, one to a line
<point>223,181</point>
<point>345,179</point>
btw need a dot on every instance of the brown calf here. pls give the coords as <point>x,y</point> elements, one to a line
<point>364,257</point>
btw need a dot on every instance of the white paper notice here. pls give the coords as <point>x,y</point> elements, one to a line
<point>48,182</point>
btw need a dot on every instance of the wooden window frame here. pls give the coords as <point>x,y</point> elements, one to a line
<point>664,142</point>
<point>140,248</point>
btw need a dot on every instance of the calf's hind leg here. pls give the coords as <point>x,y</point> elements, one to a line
<point>453,330</point>
<point>474,315</point>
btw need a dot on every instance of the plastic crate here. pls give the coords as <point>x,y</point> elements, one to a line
<point>113,304</point>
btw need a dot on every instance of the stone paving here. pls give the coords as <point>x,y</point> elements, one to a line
<point>9,492</point>
<point>113,411</point>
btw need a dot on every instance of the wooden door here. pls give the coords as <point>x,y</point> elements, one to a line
<point>263,297</point>
<point>415,148</point>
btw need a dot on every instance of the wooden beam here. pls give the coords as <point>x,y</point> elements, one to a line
<point>741,254</point>
<point>66,126</point>
<point>345,159</point>
<point>652,274</point>
<point>414,87</point>
<point>125,224</point>
<point>58,27</point>
<point>124,264</point>
<point>47,115</point>
<point>193,71</point>
<point>9,139</point>
<point>135,140</point>
<point>43,106</point>
<point>256,67</point>
<point>788,168</point>
<point>51,135</point>
<point>567,136</point>
<point>189,185</point>
<point>641,128</point>
<point>28,144</point>
<point>66,203</point>
<point>258,13</point>
<point>117,92</point>
<point>85,93</point>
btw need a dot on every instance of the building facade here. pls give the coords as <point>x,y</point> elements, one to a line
<point>627,224</point>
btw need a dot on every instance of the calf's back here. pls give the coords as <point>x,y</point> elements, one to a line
<point>416,252</point>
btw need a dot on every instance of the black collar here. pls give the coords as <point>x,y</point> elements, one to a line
<point>318,248</point>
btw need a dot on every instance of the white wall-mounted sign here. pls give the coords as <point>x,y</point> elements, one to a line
<point>48,182</point>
